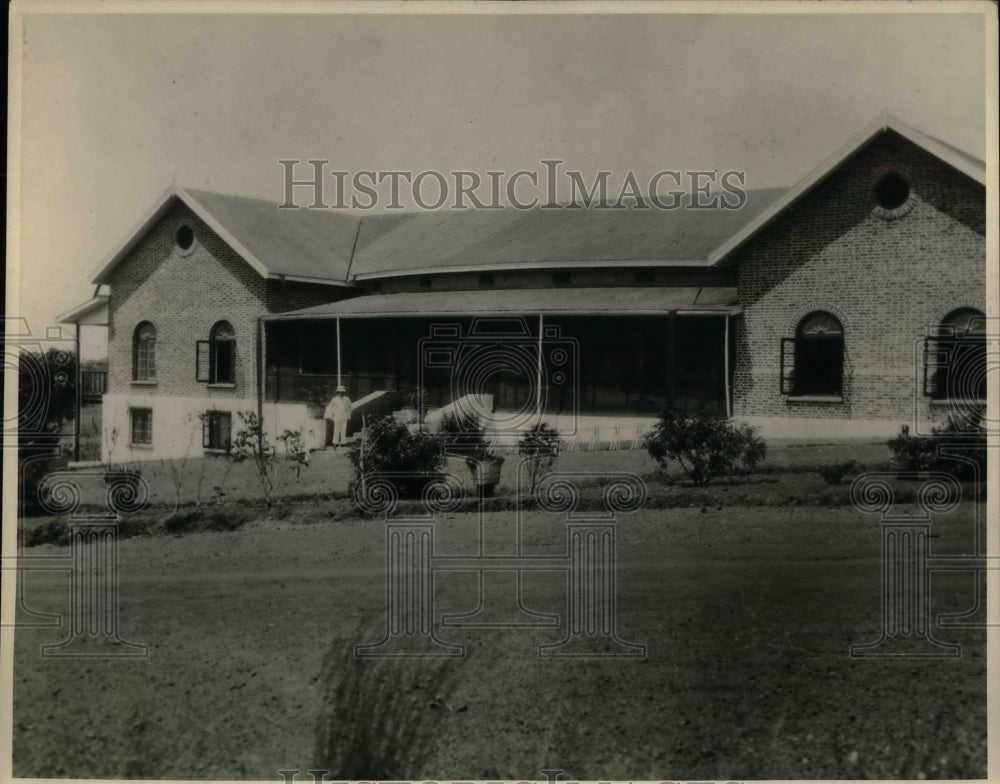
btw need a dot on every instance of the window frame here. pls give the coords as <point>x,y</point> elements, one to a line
<point>211,426</point>
<point>144,348</point>
<point>806,351</point>
<point>948,344</point>
<point>146,412</point>
<point>208,360</point>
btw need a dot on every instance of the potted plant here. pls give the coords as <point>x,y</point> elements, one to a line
<point>463,435</point>
<point>388,452</point>
<point>316,400</point>
<point>911,453</point>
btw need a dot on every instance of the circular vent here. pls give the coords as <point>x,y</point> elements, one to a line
<point>892,191</point>
<point>185,237</point>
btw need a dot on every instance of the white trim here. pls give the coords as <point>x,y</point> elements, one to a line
<point>957,402</point>
<point>223,233</point>
<point>92,305</point>
<point>317,281</point>
<point>723,310</point>
<point>532,265</point>
<point>883,123</point>
<point>159,209</point>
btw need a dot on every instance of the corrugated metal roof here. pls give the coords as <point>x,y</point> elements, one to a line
<point>337,248</point>
<point>294,242</point>
<point>615,300</point>
<point>509,238</point>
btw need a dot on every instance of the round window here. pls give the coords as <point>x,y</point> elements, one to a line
<point>892,191</point>
<point>185,237</point>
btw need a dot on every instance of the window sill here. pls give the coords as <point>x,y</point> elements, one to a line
<point>144,383</point>
<point>140,446</point>
<point>213,451</point>
<point>814,399</point>
<point>950,402</point>
<point>222,386</point>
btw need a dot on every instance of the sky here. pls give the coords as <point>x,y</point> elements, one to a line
<point>117,107</point>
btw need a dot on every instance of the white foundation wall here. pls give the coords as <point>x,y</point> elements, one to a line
<point>177,428</point>
<point>817,430</point>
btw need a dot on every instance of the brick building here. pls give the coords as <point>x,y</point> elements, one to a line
<point>847,305</point>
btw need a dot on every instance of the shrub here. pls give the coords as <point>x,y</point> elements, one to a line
<point>540,445</point>
<point>705,445</point>
<point>181,521</point>
<point>958,447</point>
<point>51,532</point>
<point>251,443</point>
<point>35,463</point>
<point>834,474</point>
<point>464,436</point>
<point>388,446</point>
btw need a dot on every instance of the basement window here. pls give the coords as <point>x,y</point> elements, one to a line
<point>216,430</point>
<point>141,421</point>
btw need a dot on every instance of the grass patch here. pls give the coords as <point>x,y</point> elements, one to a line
<point>380,717</point>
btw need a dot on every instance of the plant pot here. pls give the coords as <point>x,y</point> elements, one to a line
<point>315,411</point>
<point>898,463</point>
<point>486,474</point>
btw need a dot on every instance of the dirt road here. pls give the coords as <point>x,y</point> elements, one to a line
<point>747,615</point>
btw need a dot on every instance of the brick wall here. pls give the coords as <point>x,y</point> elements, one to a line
<point>886,278</point>
<point>184,293</point>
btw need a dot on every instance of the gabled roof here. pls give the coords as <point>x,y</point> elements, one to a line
<point>509,238</point>
<point>310,245</point>
<point>967,164</point>
<point>331,247</point>
<point>93,311</point>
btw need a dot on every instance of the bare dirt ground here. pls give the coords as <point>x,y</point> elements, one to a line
<point>748,614</point>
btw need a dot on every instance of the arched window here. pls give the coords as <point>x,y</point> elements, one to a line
<point>217,355</point>
<point>955,358</point>
<point>144,352</point>
<point>812,363</point>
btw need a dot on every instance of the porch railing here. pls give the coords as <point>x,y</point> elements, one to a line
<point>93,384</point>
<point>595,397</point>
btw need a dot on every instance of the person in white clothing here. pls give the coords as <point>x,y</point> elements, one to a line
<point>339,410</point>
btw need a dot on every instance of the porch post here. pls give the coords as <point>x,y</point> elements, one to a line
<point>79,397</point>
<point>338,351</point>
<point>262,372</point>
<point>671,355</point>
<point>725,354</point>
<point>538,377</point>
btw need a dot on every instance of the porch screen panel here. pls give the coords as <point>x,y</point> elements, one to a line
<point>621,364</point>
<point>699,363</point>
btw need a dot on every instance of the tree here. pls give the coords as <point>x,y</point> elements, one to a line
<point>46,398</point>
